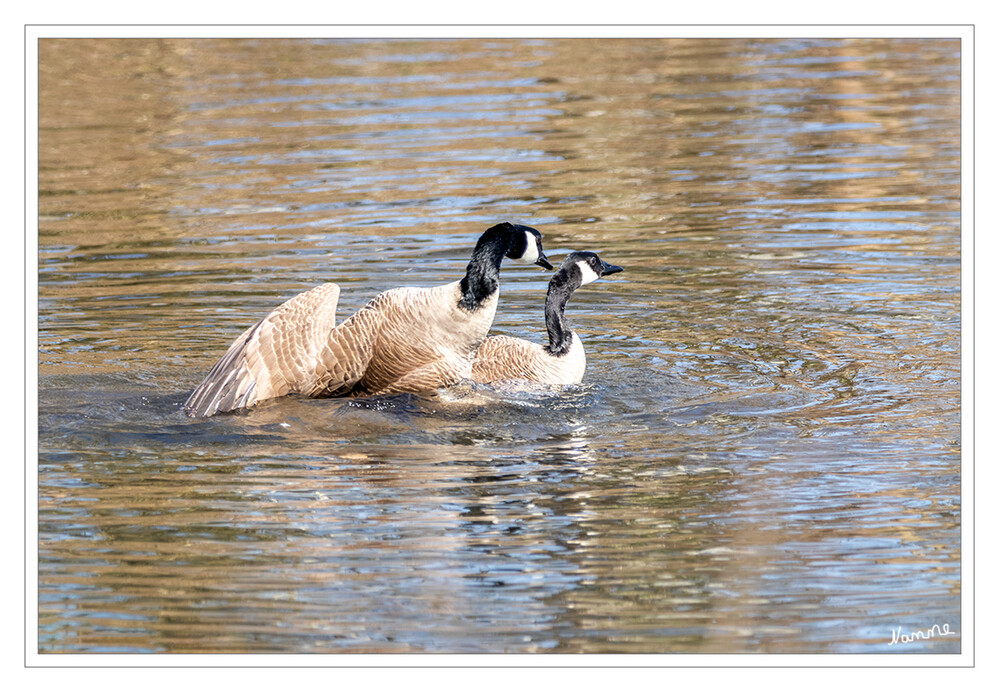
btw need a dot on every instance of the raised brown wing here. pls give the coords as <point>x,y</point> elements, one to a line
<point>346,353</point>
<point>279,355</point>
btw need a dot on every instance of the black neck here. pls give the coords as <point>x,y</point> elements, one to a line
<point>482,275</point>
<point>560,289</point>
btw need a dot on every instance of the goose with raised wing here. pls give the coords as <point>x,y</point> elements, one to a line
<point>562,360</point>
<point>404,340</point>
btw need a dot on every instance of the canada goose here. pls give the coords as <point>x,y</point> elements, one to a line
<point>562,361</point>
<point>403,340</point>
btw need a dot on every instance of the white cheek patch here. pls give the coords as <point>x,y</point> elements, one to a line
<point>589,276</point>
<point>531,253</point>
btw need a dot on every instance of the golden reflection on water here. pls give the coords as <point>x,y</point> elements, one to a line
<point>764,456</point>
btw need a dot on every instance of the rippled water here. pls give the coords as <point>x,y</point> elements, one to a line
<point>764,455</point>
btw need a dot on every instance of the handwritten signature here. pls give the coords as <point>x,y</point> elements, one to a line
<point>900,637</point>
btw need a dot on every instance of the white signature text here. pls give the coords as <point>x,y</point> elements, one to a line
<point>898,636</point>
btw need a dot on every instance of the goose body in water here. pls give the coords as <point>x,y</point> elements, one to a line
<point>562,360</point>
<point>403,340</point>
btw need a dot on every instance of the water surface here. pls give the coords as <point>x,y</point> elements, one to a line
<point>764,455</point>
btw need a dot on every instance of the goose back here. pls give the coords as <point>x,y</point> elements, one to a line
<point>504,358</point>
<point>404,340</point>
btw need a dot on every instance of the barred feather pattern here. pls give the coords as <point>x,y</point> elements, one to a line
<point>504,358</point>
<point>274,357</point>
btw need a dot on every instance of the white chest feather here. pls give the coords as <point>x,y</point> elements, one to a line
<point>573,363</point>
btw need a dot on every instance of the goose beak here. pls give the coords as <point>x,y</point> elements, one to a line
<point>542,261</point>
<point>610,268</point>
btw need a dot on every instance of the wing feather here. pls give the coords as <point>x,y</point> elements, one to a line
<point>347,352</point>
<point>276,356</point>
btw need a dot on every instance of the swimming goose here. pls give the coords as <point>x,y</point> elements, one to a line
<point>403,340</point>
<point>562,361</point>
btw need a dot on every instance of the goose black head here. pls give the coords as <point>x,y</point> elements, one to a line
<point>525,245</point>
<point>586,267</point>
